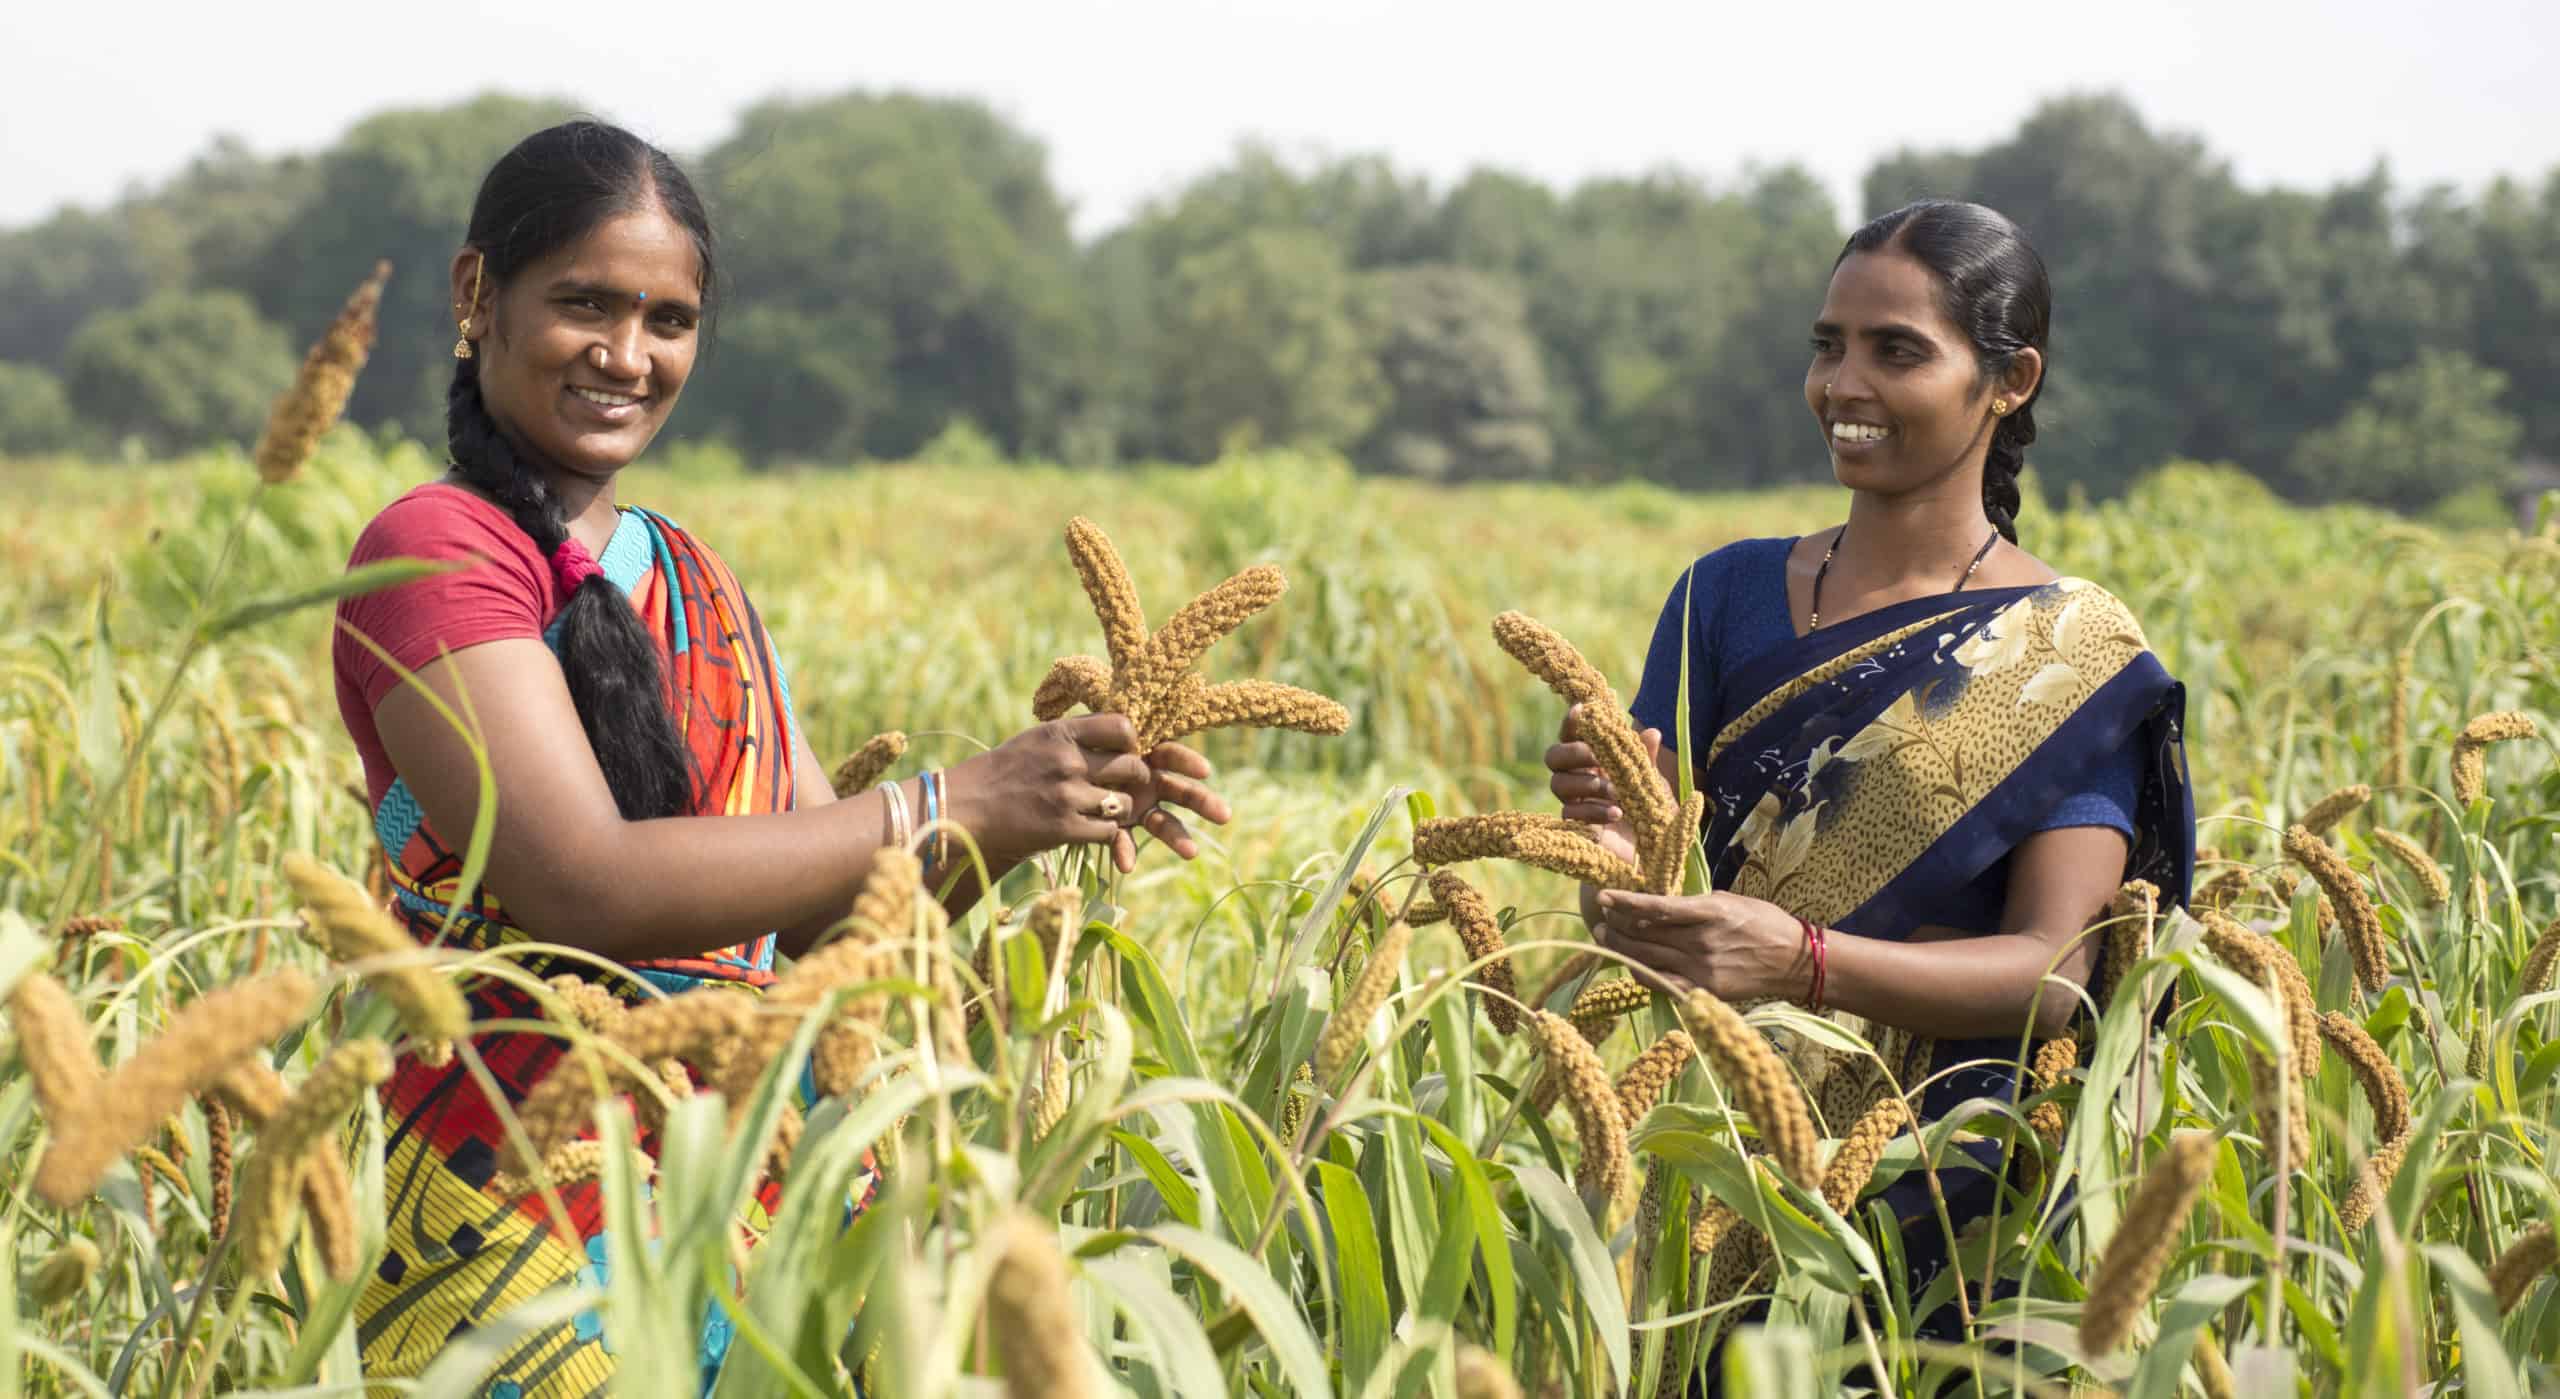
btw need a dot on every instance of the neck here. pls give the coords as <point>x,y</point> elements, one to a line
<point>586,502</point>
<point>1917,537</point>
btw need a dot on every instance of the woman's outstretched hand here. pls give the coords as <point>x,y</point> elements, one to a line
<point>1740,948</point>
<point>1587,793</point>
<point>1081,781</point>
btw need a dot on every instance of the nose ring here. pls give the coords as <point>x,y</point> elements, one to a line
<point>598,355</point>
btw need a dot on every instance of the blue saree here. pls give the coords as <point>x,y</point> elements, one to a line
<point>1876,775</point>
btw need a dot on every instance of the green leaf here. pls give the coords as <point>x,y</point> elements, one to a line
<point>355,582</point>
<point>1595,1277</point>
<point>2193,1307</point>
<point>1161,1319</point>
<point>1362,1272</point>
<point>1273,1312</point>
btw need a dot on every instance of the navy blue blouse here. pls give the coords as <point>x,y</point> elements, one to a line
<point>1738,612</point>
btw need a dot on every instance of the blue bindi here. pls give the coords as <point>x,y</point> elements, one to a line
<point>644,296</point>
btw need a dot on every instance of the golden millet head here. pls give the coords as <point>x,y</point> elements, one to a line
<point>2327,812</point>
<point>1640,1087</point>
<point>2531,1255</point>
<point>1605,1168</point>
<point>1759,1084</point>
<point>1349,1024</point>
<point>1106,583</point>
<point>863,768</point>
<point>2422,866</point>
<point>2470,766</point>
<point>1471,918</point>
<point>1031,1319</point>
<point>2129,1271</point>
<point>2362,925</point>
<point>64,1273</point>
<point>1481,1375</point>
<point>1072,681</point>
<point>2384,1091</point>
<point>320,389</point>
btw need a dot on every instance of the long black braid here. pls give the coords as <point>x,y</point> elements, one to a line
<point>549,191</point>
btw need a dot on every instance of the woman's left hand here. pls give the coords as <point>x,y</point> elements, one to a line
<point>1178,777</point>
<point>1739,948</point>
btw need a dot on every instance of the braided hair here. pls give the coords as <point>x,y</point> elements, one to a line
<point>1992,284</point>
<point>552,189</point>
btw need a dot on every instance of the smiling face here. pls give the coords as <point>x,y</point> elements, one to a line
<point>1894,383</point>
<point>584,352</point>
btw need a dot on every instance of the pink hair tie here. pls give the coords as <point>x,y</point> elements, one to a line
<point>572,565</point>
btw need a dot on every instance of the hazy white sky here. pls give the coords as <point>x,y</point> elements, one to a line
<point>1133,96</point>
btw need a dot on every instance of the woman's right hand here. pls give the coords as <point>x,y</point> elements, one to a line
<point>1574,776</point>
<point>1075,781</point>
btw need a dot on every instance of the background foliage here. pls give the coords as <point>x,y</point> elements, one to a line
<point>897,265</point>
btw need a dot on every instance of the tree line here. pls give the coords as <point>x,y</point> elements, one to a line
<point>900,276</point>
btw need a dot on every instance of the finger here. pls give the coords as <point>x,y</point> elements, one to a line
<point>1109,733</point>
<point>1179,758</point>
<point>1124,852</point>
<point>1167,827</point>
<point>1583,787</point>
<point>1094,814</point>
<point>1572,723</point>
<point>1656,908</point>
<point>1652,743</point>
<point>1591,813</point>
<point>1572,757</point>
<point>1121,772</point>
<point>1661,967</point>
<point>1196,797</point>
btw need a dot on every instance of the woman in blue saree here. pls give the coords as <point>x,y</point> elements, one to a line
<point>1931,762</point>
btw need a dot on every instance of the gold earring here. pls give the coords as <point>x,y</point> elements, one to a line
<point>1999,406</point>
<point>462,342</point>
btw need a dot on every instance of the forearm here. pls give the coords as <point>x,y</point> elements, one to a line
<point>1956,987</point>
<point>676,886</point>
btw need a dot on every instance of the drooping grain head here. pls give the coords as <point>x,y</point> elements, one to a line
<point>2324,814</point>
<point>319,392</point>
<point>2421,866</point>
<point>2384,1092</point>
<point>1854,1164</point>
<point>1349,1024</point>
<point>2470,750</point>
<point>2363,927</point>
<point>1640,1087</point>
<point>352,927</point>
<point>2054,1060</point>
<point>1759,1083</point>
<point>2129,1270</point>
<point>2533,1253</point>
<point>863,767</point>
<point>1473,921</point>
<point>64,1274</point>
<point>1072,681</point>
<point>1605,1168</point>
<point>197,1046</point>
<point>1031,1318</point>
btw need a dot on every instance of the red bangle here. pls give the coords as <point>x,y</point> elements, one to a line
<point>1818,945</point>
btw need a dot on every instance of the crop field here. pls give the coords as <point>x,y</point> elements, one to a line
<point>1254,1124</point>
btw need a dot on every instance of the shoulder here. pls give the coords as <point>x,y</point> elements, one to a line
<point>442,521</point>
<point>1739,558</point>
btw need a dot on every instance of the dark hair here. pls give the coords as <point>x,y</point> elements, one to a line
<point>1992,284</point>
<point>554,188</point>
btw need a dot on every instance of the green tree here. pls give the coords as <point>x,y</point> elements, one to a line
<point>790,383</point>
<point>2421,432</point>
<point>1469,394</point>
<point>60,272</point>
<point>181,370</point>
<point>927,224</point>
<point>1262,336</point>
<point>35,414</point>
